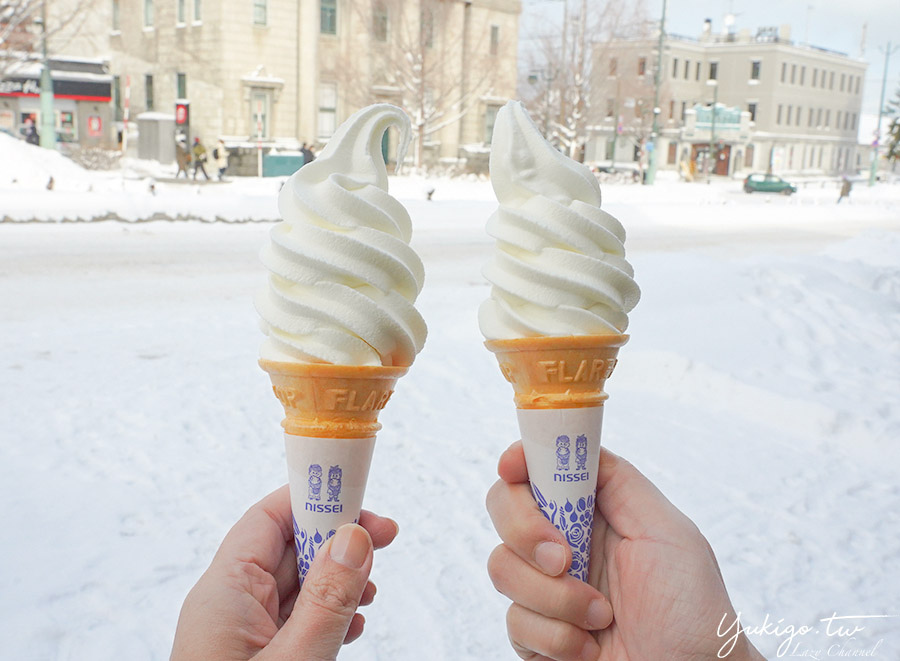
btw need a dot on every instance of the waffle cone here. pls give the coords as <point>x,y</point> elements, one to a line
<point>331,401</point>
<point>558,372</point>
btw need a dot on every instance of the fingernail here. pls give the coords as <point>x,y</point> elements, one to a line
<point>550,557</point>
<point>599,614</point>
<point>350,546</point>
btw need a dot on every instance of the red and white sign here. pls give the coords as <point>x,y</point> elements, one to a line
<point>95,126</point>
<point>181,114</point>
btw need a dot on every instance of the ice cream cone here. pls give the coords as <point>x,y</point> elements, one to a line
<point>558,383</point>
<point>331,417</point>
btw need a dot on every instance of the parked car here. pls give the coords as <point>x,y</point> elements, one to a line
<point>768,183</point>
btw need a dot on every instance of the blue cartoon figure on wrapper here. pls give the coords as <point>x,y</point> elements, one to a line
<point>335,475</point>
<point>562,453</point>
<point>581,452</point>
<point>315,481</point>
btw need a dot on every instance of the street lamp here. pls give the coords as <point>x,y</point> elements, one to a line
<point>712,134</point>
<point>654,155</point>
<point>48,126</point>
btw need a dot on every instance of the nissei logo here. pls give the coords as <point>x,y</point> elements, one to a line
<point>571,477</point>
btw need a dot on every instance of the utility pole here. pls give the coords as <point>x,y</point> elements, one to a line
<point>873,172</point>
<point>48,125</point>
<point>654,134</point>
<point>711,159</point>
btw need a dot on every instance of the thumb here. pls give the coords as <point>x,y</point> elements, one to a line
<point>329,598</point>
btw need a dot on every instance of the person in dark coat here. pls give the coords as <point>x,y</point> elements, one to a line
<point>31,135</point>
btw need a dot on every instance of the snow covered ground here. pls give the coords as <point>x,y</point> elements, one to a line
<point>759,390</point>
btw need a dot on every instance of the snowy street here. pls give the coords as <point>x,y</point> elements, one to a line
<point>759,391</point>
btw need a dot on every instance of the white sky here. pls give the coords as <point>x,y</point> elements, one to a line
<point>832,24</point>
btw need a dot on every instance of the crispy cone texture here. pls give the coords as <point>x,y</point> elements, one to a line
<point>332,401</point>
<point>558,372</point>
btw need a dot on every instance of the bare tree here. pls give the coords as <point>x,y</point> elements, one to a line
<point>23,33</point>
<point>565,96</point>
<point>423,57</point>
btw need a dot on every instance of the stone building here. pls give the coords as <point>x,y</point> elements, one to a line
<point>277,73</point>
<point>780,106</point>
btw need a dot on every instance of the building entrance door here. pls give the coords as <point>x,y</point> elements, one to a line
<point>722,161</point>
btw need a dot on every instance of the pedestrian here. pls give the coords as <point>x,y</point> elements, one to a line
<point>308,156</point>
<point>200,156</point>
<point>31,135</point>
<point>220,156</point>
<point>182,158</point>
<point>845,189</point>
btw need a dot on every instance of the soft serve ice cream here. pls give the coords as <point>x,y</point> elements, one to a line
<point>560,297</point>
<point>339,320</point>
<point>559,266</point>
<point>343,277</point>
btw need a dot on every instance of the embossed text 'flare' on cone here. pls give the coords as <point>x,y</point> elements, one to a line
<point>331,417</point>
<point>558,383</point>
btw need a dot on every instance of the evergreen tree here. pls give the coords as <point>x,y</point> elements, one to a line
<point>893,146</point>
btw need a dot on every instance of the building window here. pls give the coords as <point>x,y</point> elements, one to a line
<point>819,118</point>
<point>748,157</point>
<point>713,70</point>
<point>610,107</point>
<point>327,122</point>
<point>672,109</point>
<point>259,114</point>
<point>687,66</point>
<point>853,127</point>
<point>198,13</point>
<point>809,122</point>
<point>802,75</point>
<point>426,18</point>
<point>181,85</point>
<point>799,114</point>
<point>674,67</point>
<point>751,108</point>
<point>148,13</point>
<point>827,118</point>
<point>613,66</point>
<point>260,12</point>
<point>754,69</point>
<point>831,81</point>
<point>148,91</point>
<point>788,116</point>
<point>793,73</point>
<point>328,17</point>
<point>179,12</point>
<point>697,75</point>
<point>116,25</point>
<point>837,120</point>
<point>642,66</point>
<point>857,84</point>
<point>683,109</point>
<point>783,71</point>
<point>490,117</point>
<point>380,22</point>
<point>815,77</point>
<point>495,39</point>
<point>843,80</point>
<point>778,116</point>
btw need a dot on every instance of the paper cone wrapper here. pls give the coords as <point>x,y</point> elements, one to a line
<point>558,383</point>
<point>331,417</point>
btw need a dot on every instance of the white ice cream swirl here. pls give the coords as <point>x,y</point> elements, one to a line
<point>343,276</point>
<point>559,265</point>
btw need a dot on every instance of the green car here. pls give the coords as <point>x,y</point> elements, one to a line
<point>768,183</point>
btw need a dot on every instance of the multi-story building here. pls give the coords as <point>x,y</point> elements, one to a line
<point>283,72</point>
<point>780,106</point>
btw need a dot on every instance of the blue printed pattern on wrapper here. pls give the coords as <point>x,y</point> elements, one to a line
<point>575,522</point>
<point>307,543</point>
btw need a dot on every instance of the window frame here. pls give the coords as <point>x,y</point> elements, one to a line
<point>328,17</point>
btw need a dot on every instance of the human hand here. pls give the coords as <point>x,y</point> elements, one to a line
<point>650,567</point>
<point>247,605</point>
